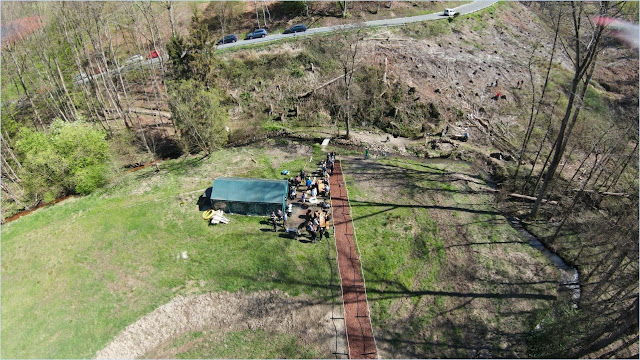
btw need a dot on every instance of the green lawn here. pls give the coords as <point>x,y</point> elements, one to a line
<point>77,273</point>
<point>247,344</point>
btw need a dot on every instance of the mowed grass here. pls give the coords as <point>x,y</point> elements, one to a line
<point>77,273</point>
<point>446,275</point>
<point>247,344</point>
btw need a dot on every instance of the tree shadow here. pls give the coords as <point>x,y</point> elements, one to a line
<point>391,206</point>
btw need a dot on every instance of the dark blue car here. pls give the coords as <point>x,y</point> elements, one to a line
<point>257,33</point>
<point>227,39</point>
<point>296,28</point>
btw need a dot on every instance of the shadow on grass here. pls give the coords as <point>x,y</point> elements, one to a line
<point>400,291</point>
<point>391,206</point>
<point>485,243</point>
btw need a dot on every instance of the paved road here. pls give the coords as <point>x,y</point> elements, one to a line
<point>463,9</point>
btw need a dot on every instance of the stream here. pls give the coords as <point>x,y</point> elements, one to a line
<point>569,274</point>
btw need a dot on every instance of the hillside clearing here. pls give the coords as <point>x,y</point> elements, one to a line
<point>106,260</point>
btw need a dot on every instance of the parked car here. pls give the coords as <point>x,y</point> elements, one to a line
<point>154,54</point>
<point>227,39</point>
<point>134,59</point>
<point>257,33</point>
<point>449,12</point>
<point>296,28</point>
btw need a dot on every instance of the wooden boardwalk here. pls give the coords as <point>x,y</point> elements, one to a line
<point>360,340</point>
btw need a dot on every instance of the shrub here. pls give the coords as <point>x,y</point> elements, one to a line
<point>72,158</point>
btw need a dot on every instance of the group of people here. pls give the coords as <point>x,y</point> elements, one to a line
<point>313,187</point>
<point>316,223</point>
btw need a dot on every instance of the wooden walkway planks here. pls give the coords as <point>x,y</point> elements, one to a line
<point>360,340</point>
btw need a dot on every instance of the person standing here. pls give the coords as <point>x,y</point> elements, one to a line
<point>366,153</point>
<point>274,221</point>
<point>311,231</point>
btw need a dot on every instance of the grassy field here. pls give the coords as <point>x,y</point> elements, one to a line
<point>75,274</point>
<point>446,275</point>
<point>442,268</point>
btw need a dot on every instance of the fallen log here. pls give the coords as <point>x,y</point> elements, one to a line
<point>310,92</point>
<point>608,193</point>
<point>526,197</point>
<point>158,113</point>
<point>531,198</point>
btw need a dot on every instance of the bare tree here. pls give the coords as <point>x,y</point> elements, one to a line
<point>169,6</point>
<point>348,53</point>
<point>535,108</point>
<point>19,67</point>
<point>585,50</point>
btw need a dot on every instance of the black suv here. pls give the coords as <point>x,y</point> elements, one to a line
<point>296,28</point>
<point>227,39</point>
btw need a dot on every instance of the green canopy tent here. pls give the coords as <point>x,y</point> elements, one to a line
<point>249,196</point>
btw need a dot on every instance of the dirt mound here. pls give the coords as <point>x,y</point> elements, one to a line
<point>273,311</point>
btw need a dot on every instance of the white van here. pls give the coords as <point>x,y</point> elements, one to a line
<point>449,12</point>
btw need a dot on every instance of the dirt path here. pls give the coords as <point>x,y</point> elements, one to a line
<point>272,311</point>
<point>360,338</point>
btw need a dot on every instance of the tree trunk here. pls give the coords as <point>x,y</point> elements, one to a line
<point>24,88</point>
<point>348,113</point>
<point>172,21</point>
<point>532,117</point>
<point>7,145</point>
<point>557,155</point>
<point>255,3</point>
<point>66,92</point>
<point>13,197</point>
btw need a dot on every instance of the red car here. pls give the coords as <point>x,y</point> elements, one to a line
<point>154,54</point>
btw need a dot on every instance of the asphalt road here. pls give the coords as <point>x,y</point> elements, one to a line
<point>463,10</point>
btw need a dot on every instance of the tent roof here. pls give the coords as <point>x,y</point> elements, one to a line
<point>250,190</point>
